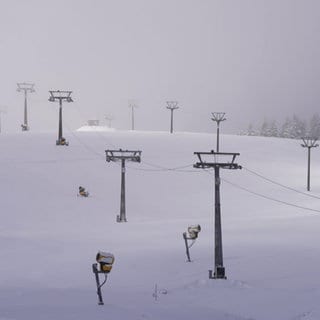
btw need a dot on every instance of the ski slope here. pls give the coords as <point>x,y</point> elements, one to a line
<point>49,237</point>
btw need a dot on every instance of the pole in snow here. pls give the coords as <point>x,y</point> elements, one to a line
<point>123,156</point>
<point>105,261</point>
<point>132,106</point>
<point>309,143</point>
<point>60,96</point>
<point>109,119</point>
<point>25,87</point>
<point>172,105</point>
<point>218,117</point>
<point>215,161</point>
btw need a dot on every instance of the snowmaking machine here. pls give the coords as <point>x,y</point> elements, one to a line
<point>192,235</point>
<point>105,261</point>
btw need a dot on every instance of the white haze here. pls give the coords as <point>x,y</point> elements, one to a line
<point>249,58</point>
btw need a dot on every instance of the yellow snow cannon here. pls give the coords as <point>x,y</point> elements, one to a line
<point>105,261</point>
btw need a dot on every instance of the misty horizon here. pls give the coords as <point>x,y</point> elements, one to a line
<point>249,59</point>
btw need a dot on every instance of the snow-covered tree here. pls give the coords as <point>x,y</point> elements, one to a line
<point>299,127</point>
<point>287,129</point>
<point>314,128</point>
<point>264,131</point>
<point>274,132</point>
<point>292,128</point>
<point>251,131</point>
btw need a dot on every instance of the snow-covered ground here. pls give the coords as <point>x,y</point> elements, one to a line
<point>94,128</point>
<point>49,237</point>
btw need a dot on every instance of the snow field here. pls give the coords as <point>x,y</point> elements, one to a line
<point>49,236</point>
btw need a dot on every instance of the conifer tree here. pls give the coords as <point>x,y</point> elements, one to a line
<point>274,132</point>
<point>314,129</point>
<point>264,131</point>
<point>286,130</point>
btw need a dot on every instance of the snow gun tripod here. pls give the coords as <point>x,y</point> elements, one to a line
<point>105,261</point>
<point>192,235</point>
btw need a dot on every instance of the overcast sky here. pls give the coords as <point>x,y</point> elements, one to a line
<point>252,59</point>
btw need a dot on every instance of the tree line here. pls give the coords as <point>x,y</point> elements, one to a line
<point>292,128</point>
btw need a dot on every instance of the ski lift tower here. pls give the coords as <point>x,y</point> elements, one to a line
<point>60,96</point>
<point>25,87</point>
<point>218,117</point>
<point>217,160</point>
<point>123,156</point>
<point>309,143</point>
<point>132,105</point>
<point>172,105</point>
<point>109,119</point>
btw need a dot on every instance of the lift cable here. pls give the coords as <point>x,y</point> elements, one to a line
<point>269,198</point>
<point>280,184</point>
<point>180,169</point>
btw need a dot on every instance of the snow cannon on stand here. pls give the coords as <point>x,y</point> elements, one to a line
<point>105,261</point>
<point>193,231</point>
<point>82,192</point>
<point>192,235</point>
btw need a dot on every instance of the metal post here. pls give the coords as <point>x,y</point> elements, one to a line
<point>218,131</point>
<point>219,271</point>
<point>171,127</point>
<point>218,117</point>
<point>123,156</point>
<point>109,119</point>
<point>172,105</point>
<point>217,163</point>
<point>60,120</point>
<point>187,246</point>
<point>309,142</point>
<point>96,273</point>
<point>123,193</point>
<point>308,179</point>
<point>25,109</point>
<point>132,117</point>
<point>25,87</point>
<point>60,96</point>
<point>132,105</point>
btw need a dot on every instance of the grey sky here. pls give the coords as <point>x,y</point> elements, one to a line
<point>249,58</point>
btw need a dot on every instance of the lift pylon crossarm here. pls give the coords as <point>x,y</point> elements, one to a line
<point>218,116</point>
<point>224,165</point>
<point>212,152</point>
<point>309,142</point>
<point>117,155</point>
<point>172,105</point>
<point>24,86</point>
<point>60,95</point>
<point>206,165</point>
